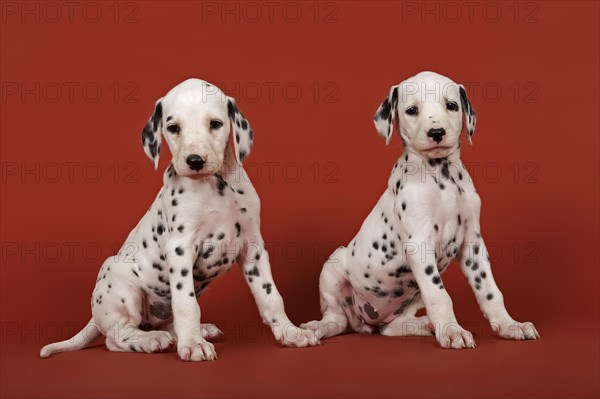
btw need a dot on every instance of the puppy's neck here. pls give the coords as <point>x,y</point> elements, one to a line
<point>410,154</point>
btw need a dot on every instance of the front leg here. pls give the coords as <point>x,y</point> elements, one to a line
<point>254,262</point>
<point>191,345</point>
<point>475,264</point>
<point>421,257</point>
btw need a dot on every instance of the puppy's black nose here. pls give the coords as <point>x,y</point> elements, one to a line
<point>436,134</point>
<point>194,161</point>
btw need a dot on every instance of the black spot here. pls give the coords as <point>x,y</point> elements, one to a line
<point>459,220</point>
<point>231,109</point>
<point>174,202</point>
<point>370,311</point>
<point>366,275</point>
<point>243,209</point>
<point>445,171</point>
<point>441,185</point>
<point>475,266</point>
<point>145,244</point>
<point>192,293</point>
<point>476,249</point>
<point>134,272</point>
<point>429,270</point>
<point>376,245</point>
<point>436,279</point>
<point>157,266</point>
<point>208,252</point>
<point>402,270</point>
<point>221,236</point>
<point>179,285</point>
<point>179,251</point>
<point>180,191</point>
<point>267,287</point>
<point>238,229</point>
<point>161,310</point>
<point>180,228</point>
<point>184,272</point>
<point>404,206</point>
<point>489,297</point>
<point>436,228</point>
<point>221,184</point>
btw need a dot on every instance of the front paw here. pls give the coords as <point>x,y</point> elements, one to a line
<point>452,335</point>
<point>512,329</point>
<point>196,350</point>
<point>293,336</point>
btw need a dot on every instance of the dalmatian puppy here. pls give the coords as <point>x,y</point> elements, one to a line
<point>205,218</point>
<point>427,216</point>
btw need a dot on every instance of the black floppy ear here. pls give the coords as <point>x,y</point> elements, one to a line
<point>243,137</point>
<point>151,135</point>
<point>469,112</point>
<point>386,114</point>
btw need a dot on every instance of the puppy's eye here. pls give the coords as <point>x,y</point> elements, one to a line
<point>215,124</point>
<point>411,111</point>
<point>173,128</point>
<point>451,106</point>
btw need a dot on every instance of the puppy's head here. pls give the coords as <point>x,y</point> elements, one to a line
<point>429,109</point>
<point>195,119</point>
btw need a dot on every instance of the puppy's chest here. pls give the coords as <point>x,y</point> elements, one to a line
<point>206,220</point>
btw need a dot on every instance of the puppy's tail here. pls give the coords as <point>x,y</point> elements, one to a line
<point>82,339</point>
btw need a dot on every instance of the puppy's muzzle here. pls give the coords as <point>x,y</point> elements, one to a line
<point>195,162</point>
<point>436,134</point>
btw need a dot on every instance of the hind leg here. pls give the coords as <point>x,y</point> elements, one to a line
<point>132,339</point>
<point>407,324</point>
<point>333,288</point>
<point>209,331</point>
<point>117,311</point>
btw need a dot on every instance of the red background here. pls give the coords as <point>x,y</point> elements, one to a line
<point>533,78</point>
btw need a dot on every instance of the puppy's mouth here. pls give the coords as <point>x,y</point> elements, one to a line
<point>436,148</point>
<point>436,151</point>
<point>209,169</point>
